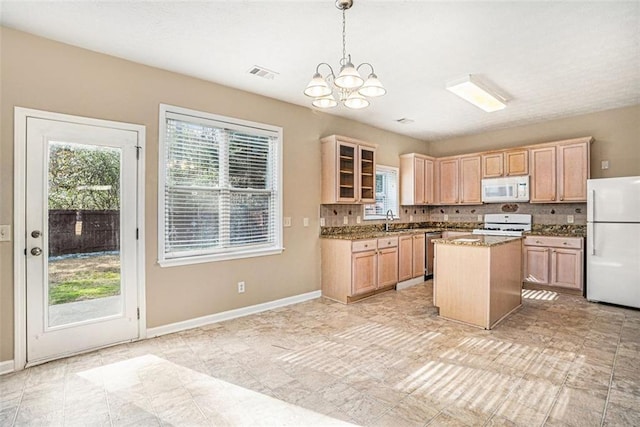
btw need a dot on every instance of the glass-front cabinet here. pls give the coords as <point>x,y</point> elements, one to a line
<point>348,170</point>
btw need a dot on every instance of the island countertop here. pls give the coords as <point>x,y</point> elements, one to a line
<point>477,240</point>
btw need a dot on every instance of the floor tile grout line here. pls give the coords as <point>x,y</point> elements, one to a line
<point>613,368</point>
<point>22,391</point>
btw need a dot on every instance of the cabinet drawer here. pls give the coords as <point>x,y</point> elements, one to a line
<point>364,245</point>
<point>387,242</point>
<point>555,242</point>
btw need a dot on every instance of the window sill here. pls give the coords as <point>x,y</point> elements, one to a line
<point>174,262</point>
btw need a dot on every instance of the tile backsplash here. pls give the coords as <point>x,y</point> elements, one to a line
<point>542,213</point>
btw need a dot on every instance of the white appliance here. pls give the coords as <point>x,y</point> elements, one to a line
<point>505,225</point>
<point>613,240</point>
<point>510,189</point>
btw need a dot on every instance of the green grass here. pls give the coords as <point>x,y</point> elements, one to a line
<point>85,286</point>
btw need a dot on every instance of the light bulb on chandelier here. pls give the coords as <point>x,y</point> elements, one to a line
<point>351,88</point>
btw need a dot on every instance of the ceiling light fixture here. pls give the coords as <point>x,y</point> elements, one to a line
<point>352,90</point>
<point>472,90</point>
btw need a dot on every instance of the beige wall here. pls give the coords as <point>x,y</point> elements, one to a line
<point>46,75</point>
<point>616,133</point>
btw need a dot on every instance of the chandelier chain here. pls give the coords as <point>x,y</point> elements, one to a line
<point>344,36</point>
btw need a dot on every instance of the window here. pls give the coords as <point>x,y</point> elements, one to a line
<point>386,194</point>
<point>220,186</point>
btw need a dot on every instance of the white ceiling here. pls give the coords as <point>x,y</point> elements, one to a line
<point>552,59</point>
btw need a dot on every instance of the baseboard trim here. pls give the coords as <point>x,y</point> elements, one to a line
<point>408,283</point>
<point>231,314</point>
<point>6,367</point>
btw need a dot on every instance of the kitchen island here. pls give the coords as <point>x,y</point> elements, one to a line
<point>478,279</point>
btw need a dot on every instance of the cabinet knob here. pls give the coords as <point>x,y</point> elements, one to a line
<point>388,243</point>
<point>366,246</point>
<point>538,242</point>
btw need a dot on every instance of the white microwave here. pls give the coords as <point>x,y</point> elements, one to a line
<point>510,189</point>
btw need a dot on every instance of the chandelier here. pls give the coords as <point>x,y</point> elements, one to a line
<point>349,86</point>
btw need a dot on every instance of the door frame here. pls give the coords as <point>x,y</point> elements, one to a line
<point>19,226</point>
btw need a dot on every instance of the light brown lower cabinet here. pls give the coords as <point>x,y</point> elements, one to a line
<point>411,260</point>
<point>352,269</point>
<point>554,261</point>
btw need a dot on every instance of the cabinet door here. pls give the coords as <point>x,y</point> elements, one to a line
<point>448,181</point>
<point>405,258</point>
<point>492,165</point>
<point>516,162</point>
<point>470,178</point>
<point>363,271</point>
<point>387,267</point>
<point>536,265</point>
<point>418,255</point>
<point>418,181</point>
<point>428,182</point>
<point>367,170</point>
<point>347,162</point>
<point>566,268</point>
<point>573,172</point>
<point>543,174</point>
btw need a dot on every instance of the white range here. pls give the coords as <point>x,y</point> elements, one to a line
<point>505,225</point>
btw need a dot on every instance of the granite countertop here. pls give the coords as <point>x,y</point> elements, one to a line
<point>477,240</point>
<point>375,231</point>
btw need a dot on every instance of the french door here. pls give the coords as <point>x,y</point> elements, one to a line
<point>80,236</point>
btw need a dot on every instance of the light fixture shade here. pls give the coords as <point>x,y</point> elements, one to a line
<point>372,87</point>
<point>471,90</point>
<point>325,102</point>
<point>355,101</point>
<point>349,78</point>
<point>317,87</point>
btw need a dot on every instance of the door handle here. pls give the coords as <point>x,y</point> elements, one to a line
<point>591,238</point>
<point>36,251</point>
<point>35,234</point>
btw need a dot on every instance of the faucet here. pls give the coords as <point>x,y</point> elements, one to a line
<point>387,219</point>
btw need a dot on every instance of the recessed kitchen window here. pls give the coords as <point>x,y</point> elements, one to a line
<point>386,194</point>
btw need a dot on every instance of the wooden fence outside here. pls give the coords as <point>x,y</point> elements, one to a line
<point>83,231</point>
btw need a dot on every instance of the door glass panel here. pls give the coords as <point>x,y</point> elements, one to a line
<point>84,266</point>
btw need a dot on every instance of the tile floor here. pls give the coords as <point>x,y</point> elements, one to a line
<point>385,361</point>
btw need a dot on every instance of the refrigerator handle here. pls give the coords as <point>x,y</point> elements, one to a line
<point>591,238</point>
<point>591,198</point>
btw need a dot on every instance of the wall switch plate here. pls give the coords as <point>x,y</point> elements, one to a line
<point>5,233</point>
<point>305,222</point>
<point>321,222</point>
<point>240,287</point>
<point>287,221</point>
<point>604,164</point>
<point>446,217</point>
<point>358,219</point>
<point>569,219</point>
<point>480,219</point>
<point>345,220</point>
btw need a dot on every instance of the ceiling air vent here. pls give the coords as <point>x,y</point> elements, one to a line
<point>259,71</point>
<point>405,121</point>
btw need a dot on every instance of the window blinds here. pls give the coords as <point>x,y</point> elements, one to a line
<point>221,187</point>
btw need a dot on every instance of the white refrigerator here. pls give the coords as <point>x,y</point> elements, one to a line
<point>613,240</point>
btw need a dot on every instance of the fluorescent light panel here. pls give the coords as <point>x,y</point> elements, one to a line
<point>471,90</point>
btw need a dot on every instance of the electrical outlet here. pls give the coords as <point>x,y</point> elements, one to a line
<point>569,219</point>
<point>446,217</point>
<point>287,221</point>
<point>358,219</point>
<point>305,222</point>
<point>410,218</point>
<point>605,164</point>
<point>321,222</point>
<point>5,233</point>
<point>345,220</point>
<point>240,287</point>
<point>479,218</point>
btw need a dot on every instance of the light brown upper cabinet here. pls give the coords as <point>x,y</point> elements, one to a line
<point>559,171</point>
<point>448,184</point>
<point>416,179</point>
<point>470,180</point>
<point>348,170</point>
<point>505,163</point>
